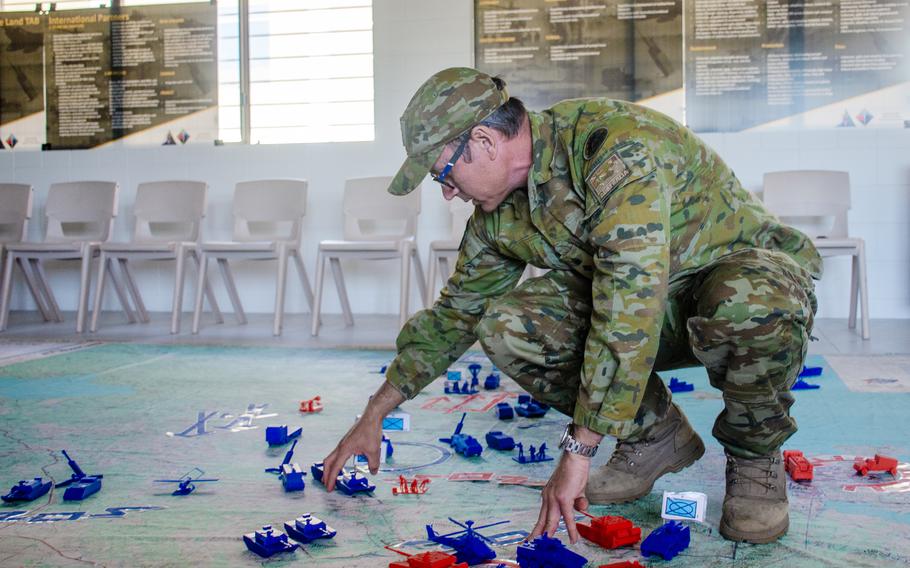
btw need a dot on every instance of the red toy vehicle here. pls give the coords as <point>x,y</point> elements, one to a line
<point>878,463</point>
<point>797,466</point>
<point>432,559</point>
<point>623,564</point>
<point>312,405</point>
<point>609,531</point>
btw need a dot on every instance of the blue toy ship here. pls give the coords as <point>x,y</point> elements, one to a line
<point>267,542</point>
<point>546,552</point>
<point>666,541</point>
<point>348,482</point>
<point>466,445</point>
<point>79,485</point>
<point>469,546</point>
<point>27,490</point>
<point>677,385</point>
<point>186,482</point>
<point>307,528</point>
<point>499,441</point>
<point>530,408</point>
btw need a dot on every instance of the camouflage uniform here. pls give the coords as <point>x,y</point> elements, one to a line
<point>658,259</point>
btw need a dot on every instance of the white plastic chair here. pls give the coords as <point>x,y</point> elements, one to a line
<point>268,217</point>
<point>442,251</point>
<point>168,215</point>
<point>15,212</point>
<point>79,217</point>
<point>377,226</point>
<point>814,198</point>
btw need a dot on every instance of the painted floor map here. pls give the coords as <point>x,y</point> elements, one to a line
<point>137,413</point>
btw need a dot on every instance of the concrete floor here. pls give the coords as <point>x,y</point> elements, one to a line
<point>889,336</point>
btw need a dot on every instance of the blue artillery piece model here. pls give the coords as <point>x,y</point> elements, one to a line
<point>534,456</point>
<point>79,485</point>
<point>347,482</point>
<point>677,385</point>
<point>307,528</point>
<point>499,441</point>
<point>186,482</point>
<point>546,552</point>
<point>666,541</point>
<point>466,445</point>
<point>530,408</point>
<point>27,490</point>
<point>268,542</point>
<point>504,411</point>
<point>290,474</point>
<point>803,385</point>
<point>469,545</point>
<point>278,435</point>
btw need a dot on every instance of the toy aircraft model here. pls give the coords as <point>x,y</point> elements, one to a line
<point>186,482</point>
<point>469,546</point>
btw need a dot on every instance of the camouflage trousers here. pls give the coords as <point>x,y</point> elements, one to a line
<point>746,318</point>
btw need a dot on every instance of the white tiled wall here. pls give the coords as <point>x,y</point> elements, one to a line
<point>413,39</point>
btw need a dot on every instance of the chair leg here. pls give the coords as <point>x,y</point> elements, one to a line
<point>405,290</point>
<point>34,288</point>
<point>45,288</point>
<point>228,278</point>
<point>85,281</point>
<point>177,303</point>
<point>6,289</point>
<point>338,276</point>
<point>418,273</point>
<point>863,291</point>
<point>202,263</point>
<point>103,262</point>
<point>209,292</point>
<point>431,278</point>
<point>854,290</point>
<point>304,279</point>
<point>120,289</point>
<point>280,286</point>
<point>134,290</point>
<point>317,298</point>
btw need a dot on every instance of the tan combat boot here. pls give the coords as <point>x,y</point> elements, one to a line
<point>755,507</point>
<point>669,446</point>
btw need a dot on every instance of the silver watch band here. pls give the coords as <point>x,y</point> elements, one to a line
<point>573,446</point>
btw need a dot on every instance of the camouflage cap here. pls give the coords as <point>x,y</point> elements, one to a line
<point>444,107</point>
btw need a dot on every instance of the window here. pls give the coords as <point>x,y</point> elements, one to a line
<point>310,67</point>
<point>311,71</point>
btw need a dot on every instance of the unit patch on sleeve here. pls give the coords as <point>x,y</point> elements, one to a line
<point>609,174</point>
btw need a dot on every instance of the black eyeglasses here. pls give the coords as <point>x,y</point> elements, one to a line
<point>440,179</point>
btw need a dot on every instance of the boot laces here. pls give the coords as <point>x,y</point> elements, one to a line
<point>761,471</point>
<point>625,451</point>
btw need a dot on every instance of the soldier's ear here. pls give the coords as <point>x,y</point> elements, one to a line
<point>486,139</point>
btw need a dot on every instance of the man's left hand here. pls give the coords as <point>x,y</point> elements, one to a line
<point>563,495</point>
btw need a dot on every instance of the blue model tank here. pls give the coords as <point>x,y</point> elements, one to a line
<point>27,490</point>
<point>307,528</point>
<point>546,552</point>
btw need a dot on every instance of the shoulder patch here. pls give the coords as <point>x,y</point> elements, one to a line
<point>608,174</point>
<point>594,142</point>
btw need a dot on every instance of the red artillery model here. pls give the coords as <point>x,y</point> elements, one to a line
<point>878,463</point>
<point>609,531</point>
<point>414,488</point>
<point>312,405</point>
<point>797,466</point>
<point>432,559</point>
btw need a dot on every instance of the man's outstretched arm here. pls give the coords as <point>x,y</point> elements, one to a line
<point>365,436</point>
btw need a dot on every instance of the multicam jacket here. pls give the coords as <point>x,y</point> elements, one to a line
<point>621,195</point>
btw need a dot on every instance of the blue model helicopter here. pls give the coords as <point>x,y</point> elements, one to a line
<point>185,483</point>
<point>469,546</point>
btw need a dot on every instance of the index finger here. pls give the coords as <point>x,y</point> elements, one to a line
<point>330,471</point>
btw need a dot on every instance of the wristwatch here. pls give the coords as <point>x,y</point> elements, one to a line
<point>573,446</point>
